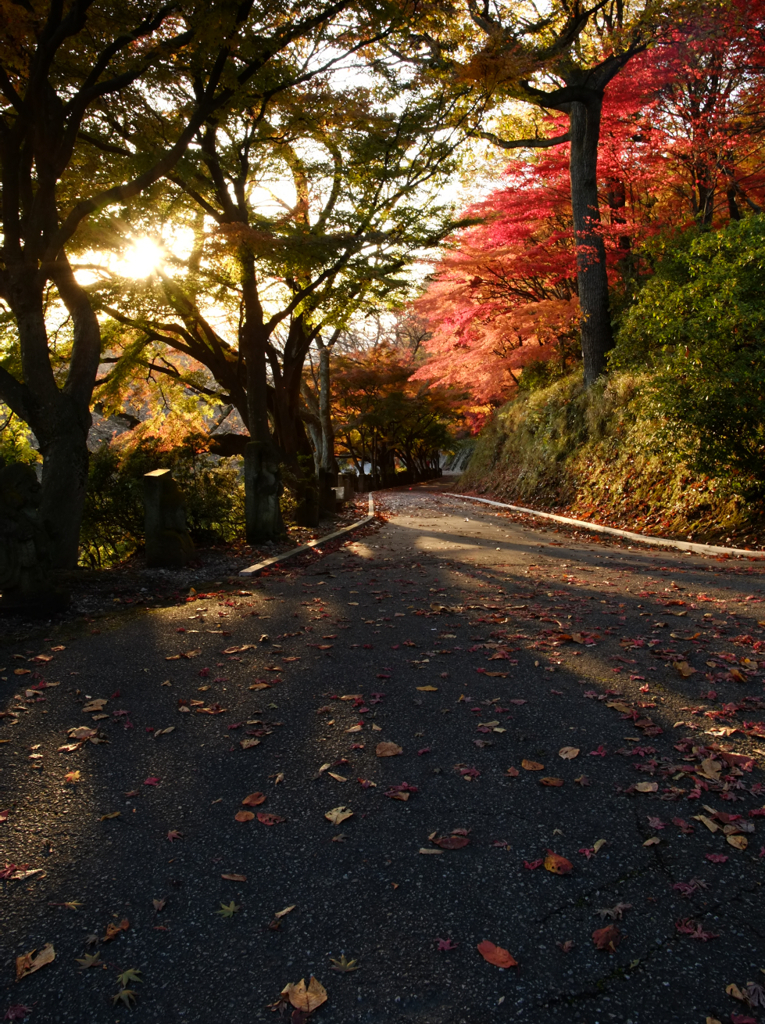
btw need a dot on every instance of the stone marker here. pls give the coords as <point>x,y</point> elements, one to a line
<point>25,547</point>
<point>262,489</point>
<point>167,539</point>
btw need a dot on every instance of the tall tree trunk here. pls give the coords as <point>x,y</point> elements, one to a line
<point>596,334</point>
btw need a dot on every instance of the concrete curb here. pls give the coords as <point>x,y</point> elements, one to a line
<point>253,570</point>
<point>657,542</point>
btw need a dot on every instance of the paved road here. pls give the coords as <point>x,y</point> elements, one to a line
<point>477,645</point>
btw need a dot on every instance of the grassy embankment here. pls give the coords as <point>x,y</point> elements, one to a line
<point>600,455</point>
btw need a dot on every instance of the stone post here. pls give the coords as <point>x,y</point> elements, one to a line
<point>167,539</point>
<point>262,488</point>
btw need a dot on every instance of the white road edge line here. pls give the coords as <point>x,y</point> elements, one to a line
<point>641,538</point>
<point>253,570</point>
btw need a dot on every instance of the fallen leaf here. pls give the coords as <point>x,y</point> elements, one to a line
<point>683,669</point>
<point>28,963</point>
<point>388,749</point>
<point>496,955</point>
<point>113,930</point>
<point>235,878</point>
<point>244,816</point>
<point>287,910</point>
<point>738,842</point>
<point>71,777</point>
<point>452,842</point>
<point>248,743</point>
<point>532,766</point>
<point>647,787</point>
<point>267,818</point>
<point>557,865</point>
<point>607,938</point>
<point>427,689</point>
<point>254,799</point>
<point>568,753</point>
<point>228,910</point>
<point>89,960</point>
<point>95,705</point>
<point>550,781</point>
<point>306,997</point>
<point>82,732</point>
<point>652,841</point>
<point>344,965</point>
<point>338,814</point>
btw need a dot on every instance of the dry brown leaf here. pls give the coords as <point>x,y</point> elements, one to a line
<point>549,780</point>
<point>683,669</point>
<point>710,769</point>
<point>618,705</point>
<point>652,841</point>
<point>557,865</point>
<point>338,814</point>
<point>607,938</point>
<point>388,749</point>
<point>249,743</point>
<point>28,963</point>
<point>568,753</point>
<point>496,955</point>
<point>737,842</point>
<point>95,705</point>
<point>306,997</point>
<point>287,910</point>
<point>532,766</point>
<point>82,732</point>
<point>235,878</point>
<point>254,800</point>
<point>113,930</point>
<point>244,816</point>
<point>647,787</point>
<point>427,689</point>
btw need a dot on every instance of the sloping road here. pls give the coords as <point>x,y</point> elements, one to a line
<point>482,648</point>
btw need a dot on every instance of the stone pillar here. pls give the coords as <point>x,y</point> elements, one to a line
<point>262,488</point>
<point>347,485</point>
<point>167,539</point>
<point>327,495</point>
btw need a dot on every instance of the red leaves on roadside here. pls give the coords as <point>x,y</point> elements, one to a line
<point>694,930</point>
<point>716,858</point>
<point>456,841</point>
<point>267,818</point>
<point>254,800</point>
<point>607,938</point>
<point>446,945</point>
<point>496,955</point>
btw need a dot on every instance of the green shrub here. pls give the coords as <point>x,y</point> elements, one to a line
<point>113,521</point>
<point>700,324</point>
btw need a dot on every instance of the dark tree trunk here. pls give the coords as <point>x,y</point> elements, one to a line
<point>596,334</point>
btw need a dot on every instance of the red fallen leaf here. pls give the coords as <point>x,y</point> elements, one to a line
<point>244,816</point>
<point>254,799</point>
<point>737,1018</point>
<point>716,858</point>
<point>267,818</point>
<point>694,930</point>
<point>600,752</point>
<point>446,945</point>
<point>151,781</point>
<point>607,938</point>
<point>683,826</point>
<point>565,947</point>
<point>424,750</point>
<point>173,835</point>
<point>496,955</point>
<point>557,865</point>
<point>113,930</point>
<point>17,1012</point>
<point>512,772</point>
<point>4,815</point>
<point>532,865</point>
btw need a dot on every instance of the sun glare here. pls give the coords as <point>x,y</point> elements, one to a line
<point>141,259</point>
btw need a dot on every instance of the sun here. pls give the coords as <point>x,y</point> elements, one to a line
<point>141,259</point>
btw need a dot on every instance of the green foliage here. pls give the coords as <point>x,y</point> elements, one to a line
<point>597,453</point>
<point>113,521</point>
<point>15,440</point>
<point>700,322</point>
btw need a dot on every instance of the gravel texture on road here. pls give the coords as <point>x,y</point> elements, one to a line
<point>534,694</point>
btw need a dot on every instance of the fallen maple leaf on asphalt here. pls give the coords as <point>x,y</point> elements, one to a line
<point>607,938</point>
<point>267,818</point>
<point>89,960</point>
<point>557,865</point>
<point>71,777</point>
<point>172,835</point>
<point>344,965</point>
<point>254,799</point>
<point>446,945</point>
<point>235,878</point>
<point>496,955</point>
<point>532,766</point>
<point>388,749</point>
<point>694,930</point>
<point>550,781</point>
<point>456,841</point>
<point>17,1012</point>
<point>647,787</point>
<point>244,816</point>
<point>716,858</point>
<point>228,910</point>
<point>113,930</point>
<point>151,781</point>
<point>306,997</point>
<point>28,963</point>
<point>616,912</point>
<point>338,814</point>
<point>532,865</point>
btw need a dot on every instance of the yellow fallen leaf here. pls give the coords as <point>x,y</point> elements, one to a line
<point>599,845</point>
<point>647,787</point>
<point>427,689</point>
<point>338,778</point>
<point>306,997</point>
<point>735,991</point>
<point>338,814</point>
<point>619,706</point>
<point>287,910</point>
<point>28,963</point>
<point>711,825</point>
<point>532,766</point>
<point>429,849</point>
<point>568,753</point>
<point>652,841</point>
<point>738,842</point>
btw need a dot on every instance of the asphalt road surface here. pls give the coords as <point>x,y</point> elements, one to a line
<point>534,695</point>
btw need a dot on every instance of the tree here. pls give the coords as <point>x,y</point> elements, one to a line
<point>560,61</point>
<point>83,87</point>
<point>301,219</point>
